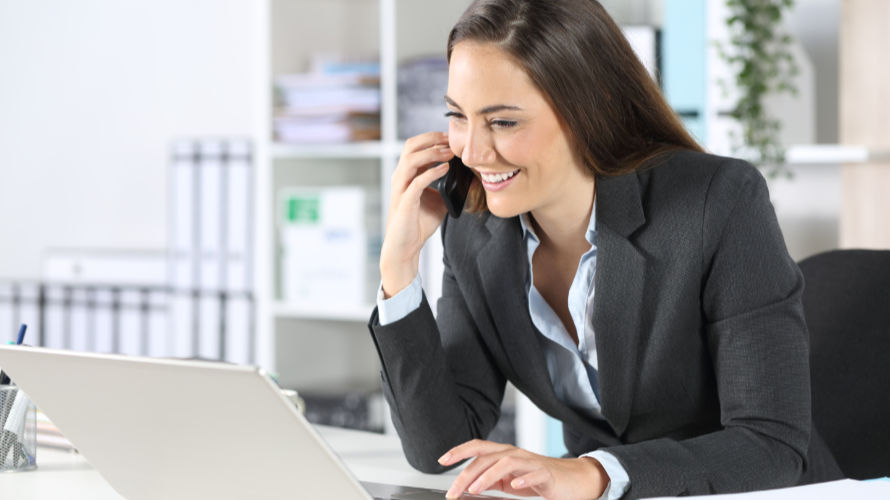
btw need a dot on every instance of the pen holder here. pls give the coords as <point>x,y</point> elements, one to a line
<point>18,430</point>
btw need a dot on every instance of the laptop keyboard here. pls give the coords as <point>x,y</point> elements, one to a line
<point>392,492</point>
<point>431,495</point>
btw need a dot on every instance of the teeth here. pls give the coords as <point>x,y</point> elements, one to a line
<point>495,178</point>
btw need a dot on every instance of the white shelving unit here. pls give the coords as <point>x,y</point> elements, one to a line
<point>286,310</point>
<point>833,154</point>
<point>369,149</point>
<point>295,340</point>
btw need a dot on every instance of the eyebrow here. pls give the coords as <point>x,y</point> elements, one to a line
<point>487,109</point>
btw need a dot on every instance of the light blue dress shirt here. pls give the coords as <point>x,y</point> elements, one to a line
<point>572,368</point>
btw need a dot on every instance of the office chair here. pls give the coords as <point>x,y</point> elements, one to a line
<point>847,307</point>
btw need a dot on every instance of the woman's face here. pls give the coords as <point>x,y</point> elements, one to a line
<point>504,128</point>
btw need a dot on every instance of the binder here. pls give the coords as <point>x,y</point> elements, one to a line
<point>211,249</point>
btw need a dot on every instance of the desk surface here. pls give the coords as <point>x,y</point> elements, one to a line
<point>371,457</point>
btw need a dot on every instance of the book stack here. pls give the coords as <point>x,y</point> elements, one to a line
<point>423,83</point>
<point>333,103</point>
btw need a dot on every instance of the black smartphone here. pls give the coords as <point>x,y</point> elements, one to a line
<point>454,186</point>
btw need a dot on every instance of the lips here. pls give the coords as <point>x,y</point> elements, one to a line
<point>497,181</point>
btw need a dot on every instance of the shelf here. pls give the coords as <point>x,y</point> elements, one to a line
<point>329,312</point>
<point>369,149</point>
<point>833,154</point>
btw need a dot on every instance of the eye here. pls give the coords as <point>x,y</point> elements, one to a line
<point>454,114</point>
<point>502,123</point>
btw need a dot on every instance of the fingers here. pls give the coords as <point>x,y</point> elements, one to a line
<point>469,475</point>
<point>425,141</point>
<point>520,472</point>
<point>419,152</point>
<point>419,183</point>
<point>476,474</point>
<point>412,163</point>
<point>474,448</point>
<point>504,468</point>
<point>535,478</point>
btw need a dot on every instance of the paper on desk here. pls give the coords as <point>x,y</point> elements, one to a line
<point>845,488</point>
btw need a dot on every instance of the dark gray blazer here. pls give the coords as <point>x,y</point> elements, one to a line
<point>700,336</point>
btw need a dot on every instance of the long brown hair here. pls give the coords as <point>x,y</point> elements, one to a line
<point>578,57</point>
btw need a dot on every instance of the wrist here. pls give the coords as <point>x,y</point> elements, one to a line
<point>596,470</point>
<point>395,280</point>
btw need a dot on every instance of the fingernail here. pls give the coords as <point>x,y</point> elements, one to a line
<point>475,488</point>
<point>519,483</point>
<point>446,457</point>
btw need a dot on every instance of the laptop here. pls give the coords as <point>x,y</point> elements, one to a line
<point>182,429</point>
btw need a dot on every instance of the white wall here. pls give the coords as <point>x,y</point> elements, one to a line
<point>91,93</point>
<point>634,11</point>
<point>816,24</point>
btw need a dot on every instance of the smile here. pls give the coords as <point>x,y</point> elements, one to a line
<point>497,178</point>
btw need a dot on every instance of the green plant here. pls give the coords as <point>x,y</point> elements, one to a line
<point>763,64</point>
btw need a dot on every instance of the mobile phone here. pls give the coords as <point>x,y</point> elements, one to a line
<point>454,186</point>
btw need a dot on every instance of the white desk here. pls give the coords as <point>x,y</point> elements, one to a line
<point>371,457</point>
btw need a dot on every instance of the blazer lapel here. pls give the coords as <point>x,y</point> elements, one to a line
<point>502,262</point>
<point>619,283</point>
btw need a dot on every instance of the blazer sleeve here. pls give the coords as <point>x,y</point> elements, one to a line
<point>439,378</point>
<point>757,338</point>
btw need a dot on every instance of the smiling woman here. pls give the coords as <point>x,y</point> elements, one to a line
<point>632,286</point>
<point>511,136</point>
<point>577,59</point>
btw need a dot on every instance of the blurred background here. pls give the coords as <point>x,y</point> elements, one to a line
<point>209,178</point>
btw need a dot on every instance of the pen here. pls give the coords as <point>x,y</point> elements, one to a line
<point>4,378</point>
<point>22,330</point>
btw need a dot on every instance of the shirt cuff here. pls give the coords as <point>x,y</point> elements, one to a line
<point>399,305</point>
<point>619,482</point>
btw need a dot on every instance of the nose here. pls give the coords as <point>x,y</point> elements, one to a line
<point>478,148</point>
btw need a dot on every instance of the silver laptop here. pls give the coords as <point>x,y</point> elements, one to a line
<point>175,429</point>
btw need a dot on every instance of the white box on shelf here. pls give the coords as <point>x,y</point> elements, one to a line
<point>323,245</point>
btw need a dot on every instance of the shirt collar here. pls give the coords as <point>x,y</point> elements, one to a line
<point>528,231</point>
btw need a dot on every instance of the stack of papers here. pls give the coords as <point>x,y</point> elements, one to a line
<point>329,105</point>
<point>877,489</point>
<point>423,83</point>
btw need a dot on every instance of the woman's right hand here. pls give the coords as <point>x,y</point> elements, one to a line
<point>414,210</point>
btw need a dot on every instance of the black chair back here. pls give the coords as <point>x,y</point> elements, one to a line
<point>847,306</point>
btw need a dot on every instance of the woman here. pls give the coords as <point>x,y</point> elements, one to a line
<point>630,285</point>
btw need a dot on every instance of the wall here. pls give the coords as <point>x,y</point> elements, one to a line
<point>815,25</point>
<point>635,11</point>
<point>91,94</point>
<point>865,120</point>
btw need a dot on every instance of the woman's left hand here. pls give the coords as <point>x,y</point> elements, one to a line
<point>519,472</point>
